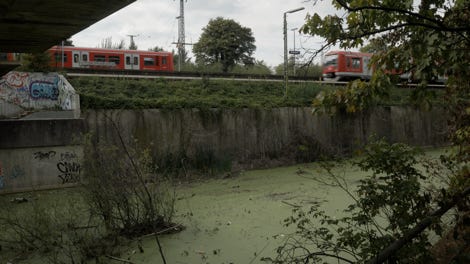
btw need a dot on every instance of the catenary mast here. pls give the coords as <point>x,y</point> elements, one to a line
<point>181,35</point>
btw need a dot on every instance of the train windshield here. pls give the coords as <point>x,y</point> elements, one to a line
<point>331,60</point>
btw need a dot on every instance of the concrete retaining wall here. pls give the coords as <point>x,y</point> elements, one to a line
<point>246,135</point>
<point>36,154</point>
<point>25,169</point>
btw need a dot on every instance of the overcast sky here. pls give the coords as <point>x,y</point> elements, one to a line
<point>155,23</point>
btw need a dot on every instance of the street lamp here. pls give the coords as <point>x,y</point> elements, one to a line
<point>285,44</point>
<point>294,53</point>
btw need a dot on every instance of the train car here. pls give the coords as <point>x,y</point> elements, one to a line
<point>9,57</point>
<point>97,58</point>
<point>346,65</point>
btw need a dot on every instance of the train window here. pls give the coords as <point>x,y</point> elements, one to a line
<point>136,61</point>
<point>84,57</point>
<point>331,60</point>
<point>58,57</point>
<point>101,58</point>
<point>115,59</point>
<point>75,58</point>
<point>149,61</point>
<point>128,60</point>
<point>356,63</point>
<point>163,60</point>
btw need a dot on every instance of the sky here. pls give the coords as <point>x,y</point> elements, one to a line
<point>155,24</point>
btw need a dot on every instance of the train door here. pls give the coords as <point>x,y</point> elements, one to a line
<point>131,61</point>
<point>80,58</point>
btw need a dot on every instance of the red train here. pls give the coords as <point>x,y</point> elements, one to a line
<point>74,57</point>
<point>346,65</point>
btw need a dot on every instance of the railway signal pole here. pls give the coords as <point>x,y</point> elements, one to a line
<point>181,36</point>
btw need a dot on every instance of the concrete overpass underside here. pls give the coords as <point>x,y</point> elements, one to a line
<point>28,26</point>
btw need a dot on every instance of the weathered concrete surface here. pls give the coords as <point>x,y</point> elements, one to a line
<point>37,154</point>
<point>247,135</point>
<point>25,169</point>
<point>35,25</point>
<point>40,133</point>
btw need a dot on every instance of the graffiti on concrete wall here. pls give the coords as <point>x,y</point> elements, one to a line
<point>39,155</point>
<point>16,172</point>
<point>10,174</point>
<point>37,90</point>
<point>69,168</point>
<point>44,90</point>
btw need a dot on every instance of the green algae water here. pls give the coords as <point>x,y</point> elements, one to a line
<point>240,219</point>
<point>232,220</point>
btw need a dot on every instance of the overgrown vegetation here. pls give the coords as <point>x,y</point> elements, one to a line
<point>121,197</point>
<point>395,196</point>
<point>426,40</point>
<point>122,93</point>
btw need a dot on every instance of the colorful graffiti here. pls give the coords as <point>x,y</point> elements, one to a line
<point>38,91</point>
<point>16,79</point>
<point>44,90</point>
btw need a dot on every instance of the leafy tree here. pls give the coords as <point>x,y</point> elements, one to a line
<point>427,40</point>
<point>387,204</point>
<point>259,67</point>
<point>186,60</point>
<point>301,69</point>
<point>225,41</point>
<point>156,48</point>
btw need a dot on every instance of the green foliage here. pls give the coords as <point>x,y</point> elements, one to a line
<point>387,204</point>
<point>121,197</point>
<point>356,97</point>
<point>37,62</point>
<point>225,41</point>
<point>259,68</point>
<point>123,190</point>
<point>301,70</point>
<point>428,40</point>
<point>107,93</point>
<point>156,48</point>
<point>60,231</point>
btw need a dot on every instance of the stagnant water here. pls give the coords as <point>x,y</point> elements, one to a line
<point>240,219</point>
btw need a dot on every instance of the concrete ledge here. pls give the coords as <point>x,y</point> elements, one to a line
<point>40,133</point>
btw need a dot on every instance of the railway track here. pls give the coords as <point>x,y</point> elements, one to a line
<point>133,74</point>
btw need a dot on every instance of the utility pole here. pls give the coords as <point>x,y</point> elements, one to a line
<point>294,53</point>
<point>181,35</point>
<point>285,45</point>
